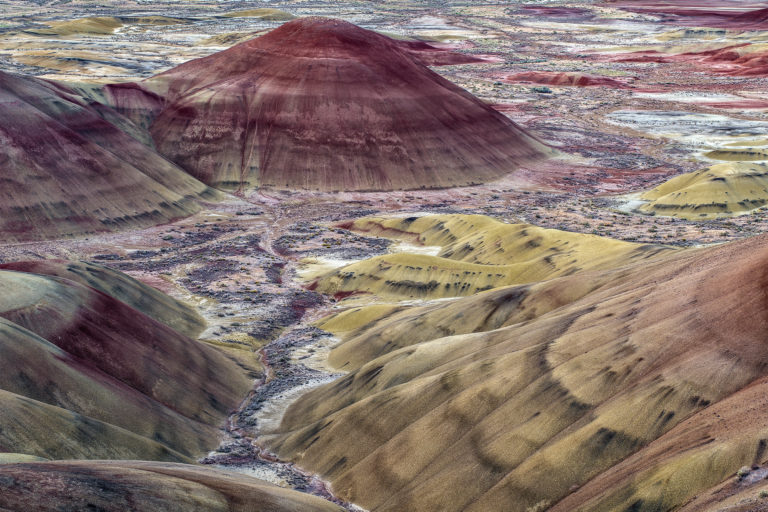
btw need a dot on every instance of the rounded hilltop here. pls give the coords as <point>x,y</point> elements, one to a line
<point>319,37</point>
<point>321,104</point>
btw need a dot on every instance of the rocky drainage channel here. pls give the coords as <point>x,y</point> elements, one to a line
<point>294,365</point>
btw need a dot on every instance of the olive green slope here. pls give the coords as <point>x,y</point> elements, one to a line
<point>87,376</point>
<point>38,429</point>
<point>477,253</point>
<point>521,415</point>
<point>722,190</point>
<point>681,466</point>
<point>150,301</point>
<point>144,487</point>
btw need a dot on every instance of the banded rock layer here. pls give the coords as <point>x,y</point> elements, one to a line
<point>321,104</point>
<point>70,166</point>
<point>85,375</point>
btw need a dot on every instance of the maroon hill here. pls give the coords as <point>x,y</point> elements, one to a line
<point>70,166</point>
<point>321,104</point>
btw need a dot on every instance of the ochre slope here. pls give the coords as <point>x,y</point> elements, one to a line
<point>67,170</point>
<point>94,359</point>
<point>94,26</point>
<point>699,453</point>
<point>520,416</point>
<point>148,300</point>
<point>368,334</point>
<point>738,155</point>
<point>366,108</point>
<point>722,190</point>
<point>144,487</point>
<point>477,253</point>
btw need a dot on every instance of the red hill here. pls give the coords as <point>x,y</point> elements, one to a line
<point>323,104</point>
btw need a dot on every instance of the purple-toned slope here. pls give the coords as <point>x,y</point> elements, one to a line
<point>65,170</point>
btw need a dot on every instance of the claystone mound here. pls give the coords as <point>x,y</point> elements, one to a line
<point>69,167</point>
<point>142,297</point>
<point>628,389</point>
<point>320,104</point>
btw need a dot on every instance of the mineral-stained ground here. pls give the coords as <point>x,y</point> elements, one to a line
<point>570,336</point>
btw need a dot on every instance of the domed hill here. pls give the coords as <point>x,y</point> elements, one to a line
<point>144,487</point>
<point>148,300</point>
<point>94,26</point>
<point>757,20</point>
<point>87,376</point>
<point>743,59</point>
<point>628,389</point>
<point>476,253</point>
<point>722,190</point>
<point>321,104</point>
<point>67,168</point>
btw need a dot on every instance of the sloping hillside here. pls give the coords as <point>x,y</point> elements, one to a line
<point>518,398</point>
<point>88,376</point>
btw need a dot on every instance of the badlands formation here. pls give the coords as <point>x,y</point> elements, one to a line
<point>391,256</point>
<point>71,167</point>
<point>365,106</point>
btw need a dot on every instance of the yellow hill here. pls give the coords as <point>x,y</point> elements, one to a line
<point>96,25</point>
<point>719,191</point>
<point>477,253</point>
<point>744,155</point>
<point>368,332</point>
<point>627,389</point>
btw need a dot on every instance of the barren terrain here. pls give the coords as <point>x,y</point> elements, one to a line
<point>627,96</point>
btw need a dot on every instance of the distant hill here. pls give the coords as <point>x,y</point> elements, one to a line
<point>321,104</point>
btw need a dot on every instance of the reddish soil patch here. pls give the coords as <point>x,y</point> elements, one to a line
<point>565,177</point>
<point>726,60</point>
<point>509,108</point>
<point>715,15</point>
<point>746,104</point>
<point>565,79</point>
